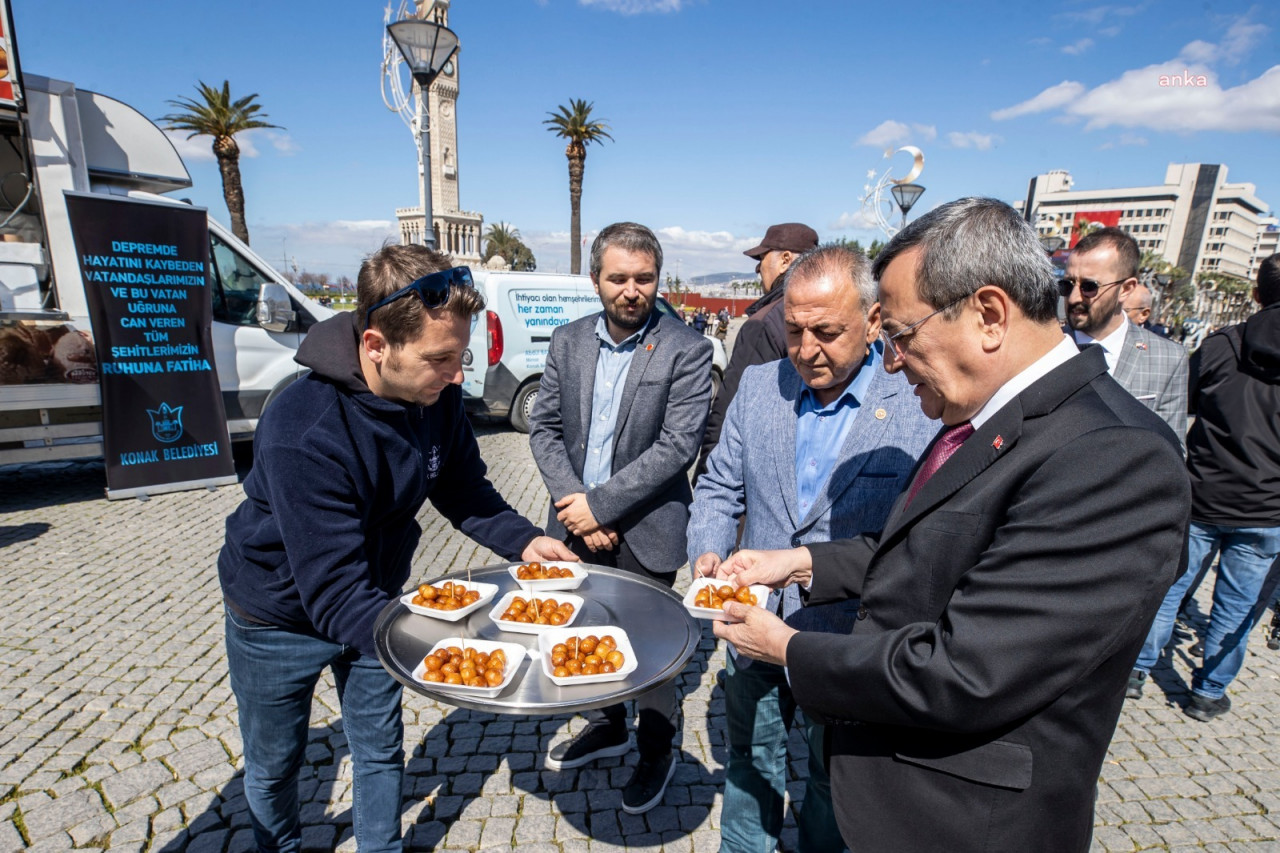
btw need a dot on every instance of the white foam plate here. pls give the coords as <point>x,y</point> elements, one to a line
<point>547,640</point>
<point>760,591</point>
<point>579,575</point>
<point>487,592</point>
<point>526,627</point>
<point>515,656</point>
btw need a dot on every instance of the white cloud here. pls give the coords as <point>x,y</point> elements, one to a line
<point>972,139</point>
<point>1109,32</point>
<point>1098,14</point>
<point>1182,95</point>
<point>198,149</point>
<point>889,133</point>
<point>336,247</point>
<point>1051,98</point>
<point>636,7</point>
<point>925,132</point>
<point>860,220</point>
<point>1078,47</point>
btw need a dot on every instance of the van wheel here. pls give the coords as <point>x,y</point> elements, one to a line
<point>522,405</point>
<point>716,381</point>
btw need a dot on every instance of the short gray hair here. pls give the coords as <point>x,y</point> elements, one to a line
<point>625,235</point>
<point>972,242</point>
<point>835,259</point>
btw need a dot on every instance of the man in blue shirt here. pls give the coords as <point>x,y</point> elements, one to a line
<point>815,446</point>
<point>621,408</point>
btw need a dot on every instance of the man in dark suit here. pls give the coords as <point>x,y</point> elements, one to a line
<point>617,425</point>
<point>1015,579</point>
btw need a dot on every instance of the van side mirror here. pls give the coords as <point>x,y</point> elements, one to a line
<point>275,310</point>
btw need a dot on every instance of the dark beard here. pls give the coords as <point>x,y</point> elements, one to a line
<point>623,322</point>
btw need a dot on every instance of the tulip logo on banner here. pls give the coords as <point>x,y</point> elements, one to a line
<point>166,423</point>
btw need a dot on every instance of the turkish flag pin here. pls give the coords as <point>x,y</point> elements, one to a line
<point>1140,345</point>
<point>649,348</point>
<point>998,443</point>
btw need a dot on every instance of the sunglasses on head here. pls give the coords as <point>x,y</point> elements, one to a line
<point>432,289</point>
<point>1088,287</point>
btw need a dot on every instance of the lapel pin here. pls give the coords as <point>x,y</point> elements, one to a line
<point>998,443</point>
<point>649,348</point>
<point>881,414</point>
<point>1140,345</point>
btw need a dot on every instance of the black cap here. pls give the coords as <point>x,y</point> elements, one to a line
<point>787,237</point>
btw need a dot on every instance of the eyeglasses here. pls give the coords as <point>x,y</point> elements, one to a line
<point>1088,287</point>
<point>432,289</point>
<point>890,345</point>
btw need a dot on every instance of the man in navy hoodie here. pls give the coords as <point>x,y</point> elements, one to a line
<point>343,462</point>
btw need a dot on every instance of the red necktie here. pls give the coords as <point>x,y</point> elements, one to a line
<point>946,445</point>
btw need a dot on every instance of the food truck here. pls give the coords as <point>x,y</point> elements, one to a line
<point>61,143</point>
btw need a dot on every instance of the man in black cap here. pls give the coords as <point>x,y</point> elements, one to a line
<point>763,338</point>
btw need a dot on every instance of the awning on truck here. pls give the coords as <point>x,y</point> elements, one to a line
<point>122,145</point>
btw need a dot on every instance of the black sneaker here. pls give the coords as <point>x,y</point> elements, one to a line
<point>1204,709</point>
<point>589,744</point>
<point>1137,679</point>
<point>1197,649</point>
<point>648,783</point>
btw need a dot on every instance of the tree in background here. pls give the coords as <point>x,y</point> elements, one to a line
<point>851,245</point>
<point>575,124</point>
<point>215,114</point>
<point>502,239</point>
<point>874,249</point>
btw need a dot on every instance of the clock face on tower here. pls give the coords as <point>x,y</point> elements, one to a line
<point>448,68</point>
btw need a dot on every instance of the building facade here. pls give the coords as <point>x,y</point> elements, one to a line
<point>458,232</point>
<point>1195,220</point>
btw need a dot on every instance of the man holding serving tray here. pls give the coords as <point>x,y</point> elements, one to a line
<point>343,462</point>
<point>617,425</point>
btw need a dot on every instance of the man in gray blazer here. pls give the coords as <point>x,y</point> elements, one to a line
<point>1101,273</point>
<point>814,447</point>
<point>618,422</point>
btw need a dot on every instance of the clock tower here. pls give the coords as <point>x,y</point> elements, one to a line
<point>458,232</point>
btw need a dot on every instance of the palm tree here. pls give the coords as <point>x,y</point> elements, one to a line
<point>216,115</point>
<point>575,124</point>
<point>503,239</point>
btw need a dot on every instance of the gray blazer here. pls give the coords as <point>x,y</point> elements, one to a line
<point>660,421</point>
<point>1154,369</point>
<point>752,472</point>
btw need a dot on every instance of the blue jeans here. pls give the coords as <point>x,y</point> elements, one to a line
<point>273,675</point>
<point>759,709</point>
<point>1247,554</point>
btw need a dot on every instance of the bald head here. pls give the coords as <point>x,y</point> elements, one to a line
<point>1138,305</point>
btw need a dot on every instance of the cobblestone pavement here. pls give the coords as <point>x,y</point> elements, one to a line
<point>118,727</point>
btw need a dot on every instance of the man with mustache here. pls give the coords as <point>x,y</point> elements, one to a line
<point>618,422</point>
<point>1101,273</point>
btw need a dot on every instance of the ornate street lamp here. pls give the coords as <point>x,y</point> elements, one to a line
<point>426,47</point>
<point>1052,244</point>
<point>906,195</point>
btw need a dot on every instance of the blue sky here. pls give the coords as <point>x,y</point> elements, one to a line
<point>728,115</point>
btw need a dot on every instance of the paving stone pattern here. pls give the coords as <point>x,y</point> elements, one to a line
<point>118,727</point>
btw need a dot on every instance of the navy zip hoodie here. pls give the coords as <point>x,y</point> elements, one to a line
<point>327,530</point>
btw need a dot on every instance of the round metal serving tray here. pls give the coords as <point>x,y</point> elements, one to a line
<point>662,633</point>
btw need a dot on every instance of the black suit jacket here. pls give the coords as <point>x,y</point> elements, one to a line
<point>1001,613</point>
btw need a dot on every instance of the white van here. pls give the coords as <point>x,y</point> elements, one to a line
<point>508,351</point>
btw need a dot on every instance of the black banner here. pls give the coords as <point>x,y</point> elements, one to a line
<point>145,270</point>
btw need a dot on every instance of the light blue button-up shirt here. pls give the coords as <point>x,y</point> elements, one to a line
<point>821,432</point>
<point>612,365</point>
